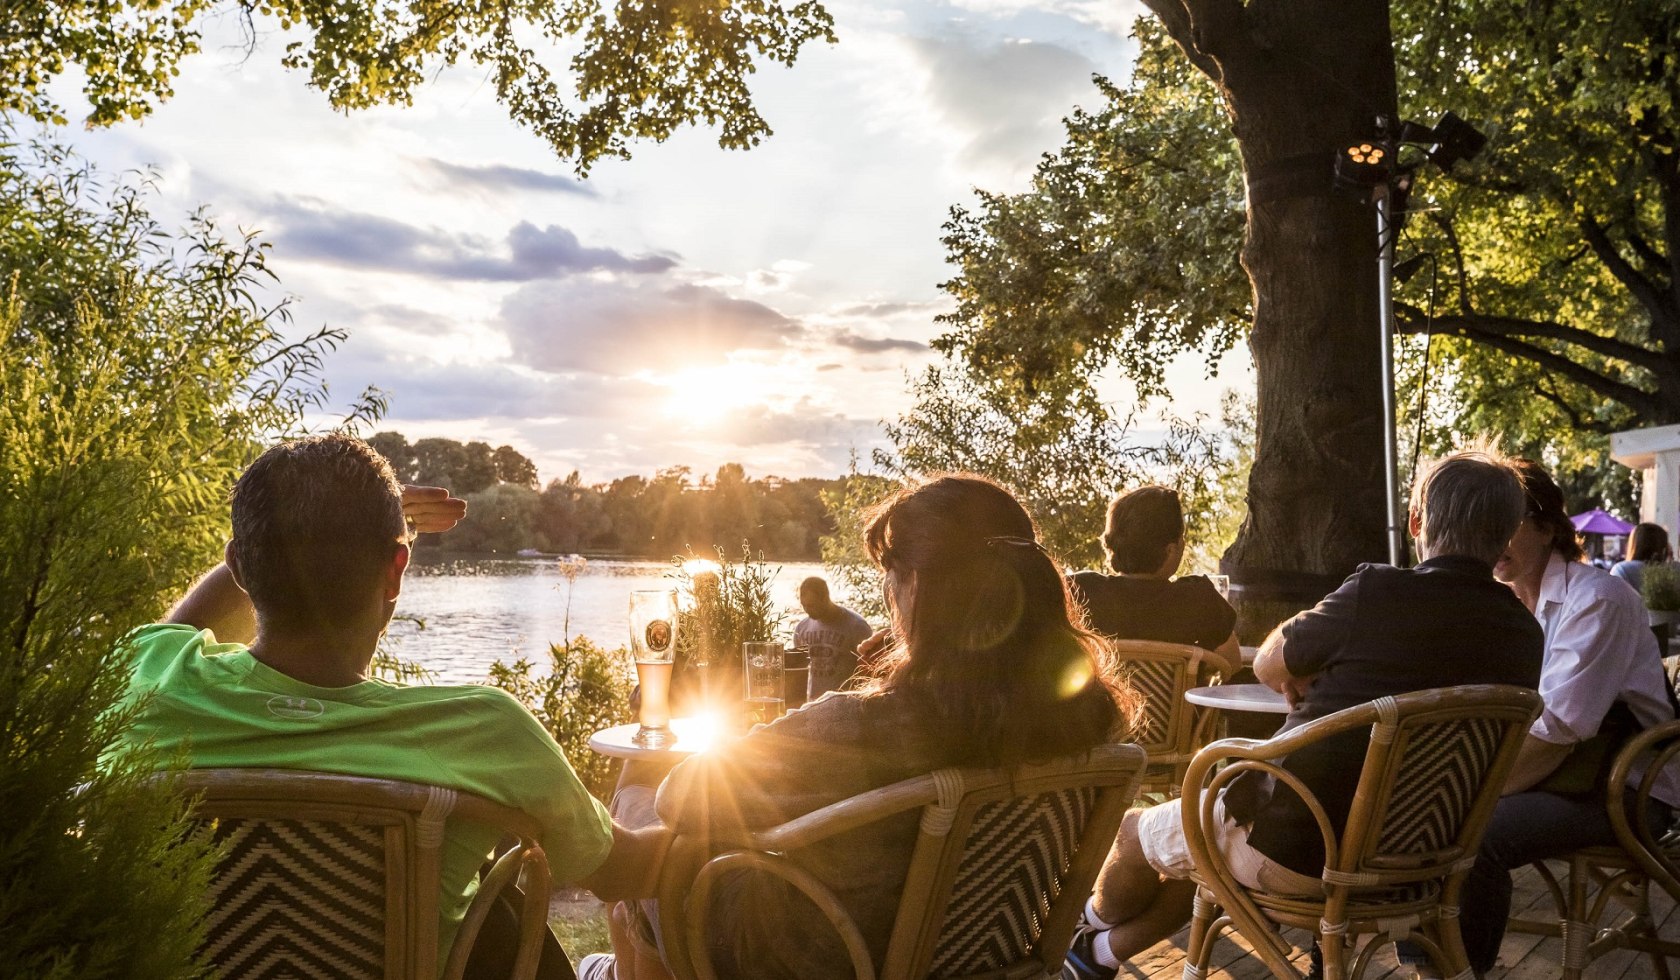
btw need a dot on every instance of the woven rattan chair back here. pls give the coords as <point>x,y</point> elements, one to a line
<point>338,877</point>
<point>1160,673</point>
<point>1434,766</point>
<point>1003,863</point>
<point>1602,881</point>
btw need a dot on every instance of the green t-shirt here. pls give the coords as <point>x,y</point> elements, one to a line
<point>224,708</point>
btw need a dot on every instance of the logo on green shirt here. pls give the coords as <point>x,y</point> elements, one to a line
<point>281,706</point>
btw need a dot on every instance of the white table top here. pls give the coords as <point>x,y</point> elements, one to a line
<point>693,735</point>
<point>1239,697</point>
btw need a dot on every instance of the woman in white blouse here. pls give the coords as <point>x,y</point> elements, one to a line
<point>1602,673</point>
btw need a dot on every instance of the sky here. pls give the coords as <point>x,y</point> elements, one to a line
<point>690,306</point>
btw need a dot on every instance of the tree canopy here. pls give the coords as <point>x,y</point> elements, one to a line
<point>637,70</point>
<point>1554,297</point>
<point>670,513</point>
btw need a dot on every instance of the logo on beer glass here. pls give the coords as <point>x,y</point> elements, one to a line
<point>658,635</point>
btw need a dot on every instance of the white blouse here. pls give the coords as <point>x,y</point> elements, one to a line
<point>1599,649</point>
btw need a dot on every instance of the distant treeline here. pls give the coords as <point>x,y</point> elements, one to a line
<point>667,514</point>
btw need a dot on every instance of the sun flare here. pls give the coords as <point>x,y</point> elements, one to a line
<point>705,396</point>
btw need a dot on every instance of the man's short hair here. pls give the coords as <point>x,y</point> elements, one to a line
<point>815,587</point>
<point>315,523</point>
<point>1468,503</point>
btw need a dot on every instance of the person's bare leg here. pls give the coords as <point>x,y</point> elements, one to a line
<point>1141,905</point>
<point>1126,885</point>
<point>624,949</point>
<point>1165,915</point>
<point>630,960</point>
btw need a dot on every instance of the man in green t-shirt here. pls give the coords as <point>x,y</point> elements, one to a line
<point>265,663</point>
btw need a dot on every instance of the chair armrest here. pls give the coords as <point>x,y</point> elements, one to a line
<point>524,857</point>
<point>1206,778</point>
<point>1662,744</point>
<point>700,903</point>
<point>848,814</point>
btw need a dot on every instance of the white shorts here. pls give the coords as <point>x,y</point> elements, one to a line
<point>1161,837</point>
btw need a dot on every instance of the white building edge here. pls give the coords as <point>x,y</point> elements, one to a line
<point>1655,452</point>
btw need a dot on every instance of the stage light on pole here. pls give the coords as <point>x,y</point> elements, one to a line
<point>1371,170</point>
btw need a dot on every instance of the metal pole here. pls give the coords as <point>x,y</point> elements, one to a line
<point>1385,314</point>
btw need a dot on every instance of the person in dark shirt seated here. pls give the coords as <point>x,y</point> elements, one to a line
<point>1384,631</point>
<point>1144,542</point>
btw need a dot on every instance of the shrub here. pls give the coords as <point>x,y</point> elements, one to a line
<point>138,371</point>
<point>1661,586</point>
<point>586,689</point>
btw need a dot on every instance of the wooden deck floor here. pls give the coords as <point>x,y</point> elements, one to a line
<point>1522,957</point>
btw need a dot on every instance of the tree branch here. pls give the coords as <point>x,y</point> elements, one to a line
<point>1654,260</point>
<point>1206,30</point>
<point>1412,320</point>
<point>1666,168</point>
<point>1444,223</point>
<point>1577,421</point>
<point>1642,403</point>
<point>1642,288</point>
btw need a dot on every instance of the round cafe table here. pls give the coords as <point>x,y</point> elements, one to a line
<point>692,734</point>
<point>1257,698</point>
<point>1244,710</point>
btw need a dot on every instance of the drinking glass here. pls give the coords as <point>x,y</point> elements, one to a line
<point>653,641</point>
<point>1223,584</point>
<point>766,676</point>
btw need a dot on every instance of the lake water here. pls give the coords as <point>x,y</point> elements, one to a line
<point>480,611</point>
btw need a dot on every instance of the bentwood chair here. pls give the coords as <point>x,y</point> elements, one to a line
<point>1170,728</point>
<point>1432,773</point>
<point>1600,879</point>
<point>338,876</point>
<point>1003,863</point>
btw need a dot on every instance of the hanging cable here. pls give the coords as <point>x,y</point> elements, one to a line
<point>1428,343</point>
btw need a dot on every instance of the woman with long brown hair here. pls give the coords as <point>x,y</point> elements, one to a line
<point>985,666</point>
<point>1648,545</point>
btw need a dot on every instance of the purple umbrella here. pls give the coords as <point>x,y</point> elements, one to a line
<point>1596,521</point>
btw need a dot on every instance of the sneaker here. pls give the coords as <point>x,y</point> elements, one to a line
<point>597,966</point>
<point>1081,962</point>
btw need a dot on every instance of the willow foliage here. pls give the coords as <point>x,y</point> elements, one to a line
<point>138,370</point>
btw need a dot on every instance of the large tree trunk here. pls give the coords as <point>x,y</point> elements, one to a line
<point>1302,79</point>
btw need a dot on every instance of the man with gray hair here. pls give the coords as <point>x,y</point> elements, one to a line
<point>1384,631</point>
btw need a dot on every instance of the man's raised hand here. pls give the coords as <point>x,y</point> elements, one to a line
<point>431,510</point>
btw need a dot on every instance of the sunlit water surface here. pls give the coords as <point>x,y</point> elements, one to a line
<point>483,610</point>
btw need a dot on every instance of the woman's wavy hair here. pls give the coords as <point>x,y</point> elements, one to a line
<point>1545,508</point>
<point>983,637</point>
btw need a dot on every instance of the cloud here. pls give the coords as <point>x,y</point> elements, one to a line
<point>611,327</point>
<point>1114,16</point>
<point>403,317</point>
<point>369,241</point>
<point>500,178</point>
<point>421,389</point>
<point>881,311</point>
<point>878,345</point>
<point>1007,97</point>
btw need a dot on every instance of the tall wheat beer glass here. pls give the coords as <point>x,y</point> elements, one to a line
<point>653,641</point>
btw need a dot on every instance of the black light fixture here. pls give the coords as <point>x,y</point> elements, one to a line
<point>1455,140</point>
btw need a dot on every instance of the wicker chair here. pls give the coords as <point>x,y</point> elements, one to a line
<point>1170,730</point>
<point>1621,874</point>
<point>1003,863</point>
<point>337,876</point>
<point>1432,774</point>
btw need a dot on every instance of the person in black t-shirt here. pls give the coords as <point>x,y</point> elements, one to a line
<point>1385,631</point>
<point>1144,542</point>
